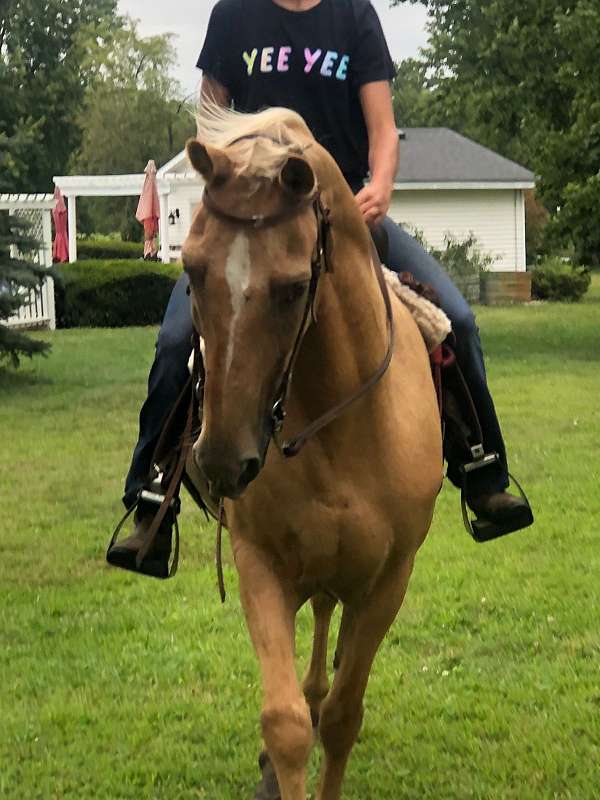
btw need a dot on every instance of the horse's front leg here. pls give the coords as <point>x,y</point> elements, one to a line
<point>270,609</point>
<point>342,709</point>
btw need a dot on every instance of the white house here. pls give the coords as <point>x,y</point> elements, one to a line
<point>446,183</point>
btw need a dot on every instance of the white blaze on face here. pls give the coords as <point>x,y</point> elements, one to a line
<point>237,273</point>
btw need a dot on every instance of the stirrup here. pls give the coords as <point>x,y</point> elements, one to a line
<point>153,494</point>
<point>156,494</point>
<point>483,530</point>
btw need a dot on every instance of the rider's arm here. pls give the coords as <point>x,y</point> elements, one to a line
<point>374,199</point>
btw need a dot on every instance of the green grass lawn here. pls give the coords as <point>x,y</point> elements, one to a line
<point>114,686</point>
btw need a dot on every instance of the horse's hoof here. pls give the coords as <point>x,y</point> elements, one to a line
<point>268,788</point>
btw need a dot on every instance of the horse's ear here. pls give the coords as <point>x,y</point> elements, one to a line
<point>297,176</point>
<point>211,163</point>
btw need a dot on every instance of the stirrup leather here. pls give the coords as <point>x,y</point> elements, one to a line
<point>163,486</point>
<point>156,494</point>
<point>463,441</point>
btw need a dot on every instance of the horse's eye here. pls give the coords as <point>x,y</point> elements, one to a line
<point>288,294</point>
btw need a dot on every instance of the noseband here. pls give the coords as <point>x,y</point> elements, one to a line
<point>319,264</point>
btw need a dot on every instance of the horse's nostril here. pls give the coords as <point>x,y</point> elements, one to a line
<point>250,469</point>
<point>227,478</point>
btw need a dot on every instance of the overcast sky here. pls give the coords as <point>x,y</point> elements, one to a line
<point>404,28</point>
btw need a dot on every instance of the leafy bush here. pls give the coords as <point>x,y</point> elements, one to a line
<point>114,294</point>
<point>106,248</point>
<point>461,258</point>
<point>554,279</point>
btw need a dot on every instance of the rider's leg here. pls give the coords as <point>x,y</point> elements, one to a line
<point>167,378</point>
<point>486,487</point>
<point>405,253</point>
<point>500,512</point>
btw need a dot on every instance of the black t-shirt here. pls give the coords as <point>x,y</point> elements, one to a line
<point>313,62</point>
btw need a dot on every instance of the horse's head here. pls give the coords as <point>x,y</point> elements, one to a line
<point>249,292</point>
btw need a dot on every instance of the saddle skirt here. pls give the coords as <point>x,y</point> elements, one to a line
<point>431,320</point>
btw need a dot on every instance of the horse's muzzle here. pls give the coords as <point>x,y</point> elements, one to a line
<point>226,474</point>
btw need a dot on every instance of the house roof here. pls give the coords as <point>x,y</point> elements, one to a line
<point>430,158</point>
<point>436,156</point>
<point>178,164</point>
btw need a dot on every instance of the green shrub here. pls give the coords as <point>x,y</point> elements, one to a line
<point>108,249</point>
<point>554,279</point>
<point>114,294</point>
<point>461,258</point>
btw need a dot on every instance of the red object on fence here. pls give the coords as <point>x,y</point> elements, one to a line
<point>148,210</point>
<point>60,245</point>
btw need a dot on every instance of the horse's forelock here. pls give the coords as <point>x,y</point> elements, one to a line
<point>257,144</point>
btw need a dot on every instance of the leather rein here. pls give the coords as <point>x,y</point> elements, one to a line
<point>320,263</point>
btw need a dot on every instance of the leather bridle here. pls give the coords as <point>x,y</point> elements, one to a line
<point>320,263</point>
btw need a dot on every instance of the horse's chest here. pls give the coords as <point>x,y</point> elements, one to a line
<point>332,547</point>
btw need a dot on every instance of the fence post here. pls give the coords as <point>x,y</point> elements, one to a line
<point>47,260</point>
<point>72,220</point>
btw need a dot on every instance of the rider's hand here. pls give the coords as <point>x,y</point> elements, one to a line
<point>374,201</point>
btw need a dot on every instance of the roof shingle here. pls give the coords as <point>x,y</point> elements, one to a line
<point>440,155</point>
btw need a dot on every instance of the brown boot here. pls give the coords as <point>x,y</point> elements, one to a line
<point>156,563</point>
<point>498,513</point>
<point>497,507</point>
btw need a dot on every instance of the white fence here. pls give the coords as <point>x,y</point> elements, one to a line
<point>38,304</point>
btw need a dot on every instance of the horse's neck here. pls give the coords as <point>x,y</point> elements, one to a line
<point>349,340</point>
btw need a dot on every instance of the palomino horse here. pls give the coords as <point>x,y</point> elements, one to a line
<point>344,519</point>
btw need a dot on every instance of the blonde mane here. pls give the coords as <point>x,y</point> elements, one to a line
<point>284,132</point>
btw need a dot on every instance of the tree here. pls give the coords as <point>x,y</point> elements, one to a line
<point>132,110</point>
<point>536,222</point>
<point>18,275</point>
<point>571,178</point>
<point>42,46</point>
<point>522,77</point>
<point>411,95</point>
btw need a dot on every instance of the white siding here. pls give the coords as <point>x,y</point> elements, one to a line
<point>520,224</point>
<point>495,216</point>
<point>184,198</point>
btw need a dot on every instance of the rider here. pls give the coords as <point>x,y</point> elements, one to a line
<point>329,61</point>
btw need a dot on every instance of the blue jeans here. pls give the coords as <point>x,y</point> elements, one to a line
<point>169,371</point>
<point>167,378</point>
<point>406,254</point>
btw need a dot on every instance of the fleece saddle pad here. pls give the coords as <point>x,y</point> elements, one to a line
<point>431,320</point>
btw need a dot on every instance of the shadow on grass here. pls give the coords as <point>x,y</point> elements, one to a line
<point>531,345</point>
<point>15,380</point>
